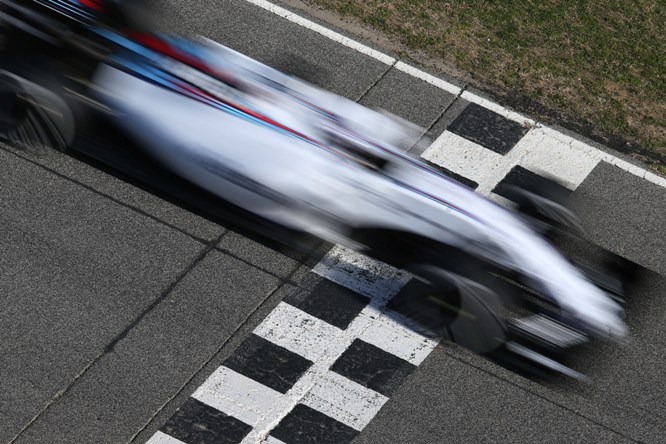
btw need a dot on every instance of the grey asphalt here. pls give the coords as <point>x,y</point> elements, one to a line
<point>462,397</point>
<point>117,303</point>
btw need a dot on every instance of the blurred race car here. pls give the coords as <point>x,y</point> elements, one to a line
<point>307,160</point>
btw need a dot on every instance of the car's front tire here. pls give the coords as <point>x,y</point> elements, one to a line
<point>463,309</point>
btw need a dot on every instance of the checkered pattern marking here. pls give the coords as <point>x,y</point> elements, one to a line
<point>488,129</point>
<point>324,362</point>
<point>484,147</point>
<point>317,369</point>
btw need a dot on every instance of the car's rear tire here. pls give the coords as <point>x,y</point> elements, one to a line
<point>33,112</point>
<point>462,309</point>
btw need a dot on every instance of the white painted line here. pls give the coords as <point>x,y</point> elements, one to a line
<point>238,396</point>
<point>360,273</point>
<point>377,281</point>
<point>628,167</point>
<point>661,181</point>
<point>336,37</point>
<point>344,400</point>
<point>271,440</point>
<point>163,438</point>
<point>468,159</point>
<point>499,109</point>
<point>549,153</point>
<point>297,331</point>
<point>442,84</point>
<point>394,337</point>
<point>428,78</point>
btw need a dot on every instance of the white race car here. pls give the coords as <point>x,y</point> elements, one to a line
<point>305,159</point>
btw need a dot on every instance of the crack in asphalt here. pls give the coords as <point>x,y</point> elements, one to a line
<point>284,281</point>
<point>109,348</point>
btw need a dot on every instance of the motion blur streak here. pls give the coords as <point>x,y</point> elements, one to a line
<point>293,156</point>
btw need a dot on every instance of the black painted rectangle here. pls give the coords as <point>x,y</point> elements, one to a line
<point>487,128</point>
<point>268,363</point>
<point>304,425</point>
<point>372,367</point>
<point>197,423</point>
<point>533,182</point>
<point>329,302</point>
<point>455,176</point>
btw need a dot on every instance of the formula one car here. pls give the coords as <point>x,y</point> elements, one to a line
<point>304,159</point>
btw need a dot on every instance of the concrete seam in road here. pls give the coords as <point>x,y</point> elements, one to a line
<point>322,388</point>
<point>379,79</point>
<point>540,396</point>
<point>437,119</point>
<point>104,195</point>
<point>243,323</point>
<point>120,336</point>
<point>286,280</point>
<point>123,334</point>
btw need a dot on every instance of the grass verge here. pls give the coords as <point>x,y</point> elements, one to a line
<point>599,66</point>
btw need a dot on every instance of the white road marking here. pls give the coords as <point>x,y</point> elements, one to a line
<point>470,160</point>
<point>658,180</point>
<point>542,150</point>
<point>297,331</point>
<point>357,46</point>
<point>336,37</point>
<point>550,153</point>
<point>360,273</point>
<point>344,400</point>
<point>444,85</point>
<point>317,388</point>
<point>239,396</point>
<point>394,337</point>
<point>428,78</point>
<point>163,438</point>
<point>499,109</point>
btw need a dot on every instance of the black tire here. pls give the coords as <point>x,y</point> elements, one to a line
<point>463,309</point>
<point>33,112</point>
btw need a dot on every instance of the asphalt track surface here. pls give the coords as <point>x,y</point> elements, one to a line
<point>118,301</point>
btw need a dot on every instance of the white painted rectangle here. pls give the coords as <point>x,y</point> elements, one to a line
<point>466,158</point>
<point>360,273</point>
<point>344,400</point>
<point>549,153</point>
<point>163,438</point>
<point>399,340</point>
<point>238,396</point>
<point>297,331</point>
